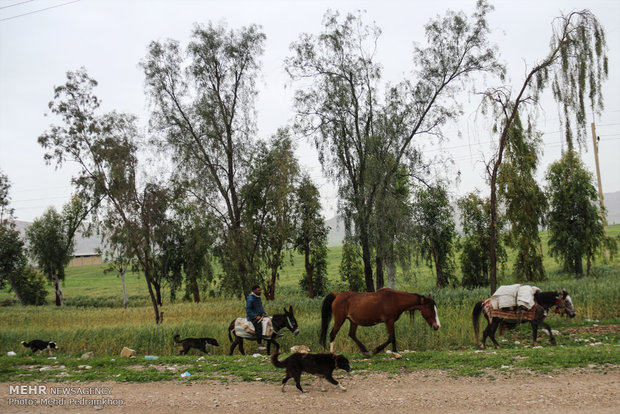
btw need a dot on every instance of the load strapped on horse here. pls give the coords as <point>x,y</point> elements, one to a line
<point>514,304</point>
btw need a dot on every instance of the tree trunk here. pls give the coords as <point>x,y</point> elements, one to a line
<point>366,258</point>
<point>579,267</point>
<point>379,269</point>
<point>153,300</point>
<point>157,287</point>
<point>195,290</point>
<point>270,292</point>
<point>439,275</point>
<point>58,291</point>
<point>309,273</point>
<point>391,273</point>
<point>125,298</point>
<point>15,290</point>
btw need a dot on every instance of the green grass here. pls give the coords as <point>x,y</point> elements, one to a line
<point>93,320</point>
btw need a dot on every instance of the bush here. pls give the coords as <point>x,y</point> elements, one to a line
<point>31,286</point>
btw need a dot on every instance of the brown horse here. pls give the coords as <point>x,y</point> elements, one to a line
<point>368,309</point>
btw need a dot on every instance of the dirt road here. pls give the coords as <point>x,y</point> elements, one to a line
<point>572,391</point>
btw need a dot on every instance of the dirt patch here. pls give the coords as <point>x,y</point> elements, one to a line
<point>596,330</point>
<point>571,391</point>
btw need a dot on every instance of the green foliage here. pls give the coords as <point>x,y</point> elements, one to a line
<point>203,114</point>
<point>351,269</point>
<point>363,141</point>
<point>31,286</point>
<point>49,244</point>
<point>311,238</point>
<point>435,231</point>
<point>575,223</point>
<point>475,261</point>
<point>524,200</point>
<point>269,210</point>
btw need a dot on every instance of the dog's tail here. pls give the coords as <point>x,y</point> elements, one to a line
<point>275,362</point>
<point>326,316</point>
<point>177,339</point>
<point>24,344</point>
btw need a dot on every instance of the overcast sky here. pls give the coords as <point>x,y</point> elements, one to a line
<point>41,40</point>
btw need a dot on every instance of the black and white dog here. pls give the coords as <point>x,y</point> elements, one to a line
<point>39,345</point>
<point>321,365</point>
<point>198,343</point>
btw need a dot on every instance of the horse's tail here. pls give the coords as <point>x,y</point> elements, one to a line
<point>176,338</point>
<point>326,315</point>
<point>276,363</point>
<point>230,328</point>
<point>476,318</point>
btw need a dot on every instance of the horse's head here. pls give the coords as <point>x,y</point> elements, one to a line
<point>291,322</point>
<point>429,312</point>
<point>565,304</point>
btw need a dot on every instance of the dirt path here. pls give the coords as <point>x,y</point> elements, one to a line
<point>572,391</point>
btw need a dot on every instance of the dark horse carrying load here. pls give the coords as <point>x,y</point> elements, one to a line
<point>508,317</point>
<point>368,309</point>
<point>279,322</point>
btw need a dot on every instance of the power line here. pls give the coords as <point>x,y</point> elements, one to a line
<point>16,4</point>
<point>37,11</point>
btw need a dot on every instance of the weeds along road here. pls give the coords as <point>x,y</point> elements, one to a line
<point>594,390</point>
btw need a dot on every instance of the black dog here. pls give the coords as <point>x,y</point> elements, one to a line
<point>39,345</point>
<point>321,365</point>
<point>198,343</point>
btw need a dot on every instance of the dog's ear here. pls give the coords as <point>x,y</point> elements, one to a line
<point>285,310</point>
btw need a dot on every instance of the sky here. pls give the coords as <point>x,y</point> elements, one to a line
<point>40,40</point>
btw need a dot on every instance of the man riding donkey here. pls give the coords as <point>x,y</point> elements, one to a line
<point>255,313</point>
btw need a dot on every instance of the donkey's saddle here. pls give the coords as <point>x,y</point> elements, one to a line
<point>245,328</point>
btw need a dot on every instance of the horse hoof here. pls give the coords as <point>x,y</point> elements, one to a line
<point>397,355</point>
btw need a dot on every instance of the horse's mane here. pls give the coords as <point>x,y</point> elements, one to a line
<point>547,298</point>
<point>412,312</point>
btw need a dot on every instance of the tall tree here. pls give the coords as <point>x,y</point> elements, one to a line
<point>475,258</point>
<point>435,229</point>
<point>575,67</point>
<point>270,201</point>
<point>311,237</point>
<point>51,240</point>
<point>340,106</point>
<point>575,224</point>
<point>26,283</point>
<point>105,149</point>
<point>525,202</point>
<point>204,112</point>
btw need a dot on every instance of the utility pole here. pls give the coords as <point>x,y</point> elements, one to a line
<point>598,174</point>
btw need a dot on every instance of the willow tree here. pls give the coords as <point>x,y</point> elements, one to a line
<point>362,137</point>
<point>204,117</point>
<point>574,69</point>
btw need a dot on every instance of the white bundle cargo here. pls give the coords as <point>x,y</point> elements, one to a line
<point>525,296</point>
<point>511,296</point>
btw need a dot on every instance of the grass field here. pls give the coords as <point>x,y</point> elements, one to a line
<point>94,320</point>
